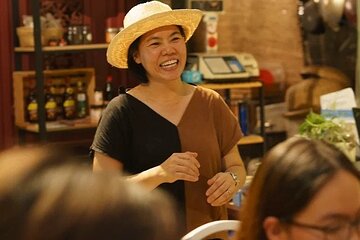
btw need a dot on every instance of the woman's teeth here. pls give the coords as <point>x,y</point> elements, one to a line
<point>169,64</point>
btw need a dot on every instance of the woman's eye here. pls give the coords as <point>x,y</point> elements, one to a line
<point>175,39</point>
<point>334,228</point>
<point>154,44</point>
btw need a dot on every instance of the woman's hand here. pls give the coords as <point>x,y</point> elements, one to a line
<point>221,190</point>
<point>181,166</point>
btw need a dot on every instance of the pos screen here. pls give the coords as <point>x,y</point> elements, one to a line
<point>221,65</point>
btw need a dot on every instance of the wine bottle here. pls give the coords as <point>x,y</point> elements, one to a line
<point>69,103</point>
<point>50,104</point>
<point>32,107</point>
<point>108,92</point>
<point>81,101</point>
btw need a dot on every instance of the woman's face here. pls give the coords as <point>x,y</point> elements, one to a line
<point>333,208</point>
<point>162,52</point>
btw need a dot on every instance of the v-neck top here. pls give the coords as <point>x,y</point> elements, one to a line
<point>133,133</point>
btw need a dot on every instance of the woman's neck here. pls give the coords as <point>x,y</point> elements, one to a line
<point>168,90</point>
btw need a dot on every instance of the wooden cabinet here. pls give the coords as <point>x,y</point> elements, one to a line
<point>42,129</point>
<point>22,81</point>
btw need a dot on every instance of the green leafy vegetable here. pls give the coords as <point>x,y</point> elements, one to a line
<point>331,130</point>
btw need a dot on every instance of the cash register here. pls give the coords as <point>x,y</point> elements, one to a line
<point>223,67</point>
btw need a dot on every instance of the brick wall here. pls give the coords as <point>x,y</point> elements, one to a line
<point>269,29</point>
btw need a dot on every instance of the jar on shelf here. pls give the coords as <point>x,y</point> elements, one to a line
<point>32,107</point>
<point>50,104</point>
<point>95,113</point>
<point>110,33</point>
<point>86,34</point>
<point>81,100</point>
<point>75,35</point>
<point>69,103</point>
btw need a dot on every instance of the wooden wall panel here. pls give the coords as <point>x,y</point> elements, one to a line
<point>7,131</point>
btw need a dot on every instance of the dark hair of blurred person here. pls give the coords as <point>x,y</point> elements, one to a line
<point>45,195</point>
<point>304,189</point>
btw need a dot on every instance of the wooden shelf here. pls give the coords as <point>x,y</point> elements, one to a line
<point>22,81</point>
<point>220,86</point>
<point>56,72</point>
<point>58,126</point>
<point>82,47</point>
<point>251,139</point>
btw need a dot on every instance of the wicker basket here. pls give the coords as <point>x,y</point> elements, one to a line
<point>26,35</point>
<point>53,33</point>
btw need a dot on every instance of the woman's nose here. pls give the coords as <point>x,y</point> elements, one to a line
<point>167,50</point>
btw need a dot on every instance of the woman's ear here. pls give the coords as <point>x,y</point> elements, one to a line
<point>136,57</point>
<point>273,228</point>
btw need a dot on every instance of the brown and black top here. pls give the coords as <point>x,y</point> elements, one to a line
<point>141,139</point>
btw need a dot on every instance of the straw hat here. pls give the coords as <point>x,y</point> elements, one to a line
<point>145,17</point>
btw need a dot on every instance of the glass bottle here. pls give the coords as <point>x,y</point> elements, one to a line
<point>86,34</point>
<point>32,107</point>
<point>81,101</point>
<point>69,103</point>
<point>70,35</point>
<point>110,34</point>
<point>75,35</point>
<point>109,92</point>
<point>50,104</point>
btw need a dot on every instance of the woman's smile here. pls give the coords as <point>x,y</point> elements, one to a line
<point>170,64</point>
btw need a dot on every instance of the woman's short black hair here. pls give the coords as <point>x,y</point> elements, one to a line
<point>135,69</point>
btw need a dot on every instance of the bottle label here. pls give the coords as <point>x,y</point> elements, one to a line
<point>69,109</point>
<point>50,105</point>
<point>33,117</point>
<point>32,106</point>
<point>51,114</point>
<point>51,110</point>
<point>81,97</point>
<point>81,111</point>
<point>98,98</point>
<point>69,103</point>
<point>88,38</point>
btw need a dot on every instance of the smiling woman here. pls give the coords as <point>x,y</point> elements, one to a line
<point>166,133</point>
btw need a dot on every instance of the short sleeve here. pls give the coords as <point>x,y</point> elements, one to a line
<point>227,125</point>
<point>112,133</point>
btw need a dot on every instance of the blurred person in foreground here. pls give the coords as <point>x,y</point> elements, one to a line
<point>164,132</point>
<point>45,194</point>
<point>303,190</point>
